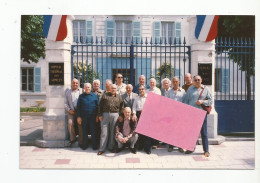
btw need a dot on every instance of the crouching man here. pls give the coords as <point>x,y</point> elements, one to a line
<point>125,132</point>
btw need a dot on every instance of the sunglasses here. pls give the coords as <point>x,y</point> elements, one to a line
<point>196,80</point>
<point>120,77</point>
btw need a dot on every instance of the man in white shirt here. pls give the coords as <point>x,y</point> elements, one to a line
<point>153,88</point>
<point>143,141</point>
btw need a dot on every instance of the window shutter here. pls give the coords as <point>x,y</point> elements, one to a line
<point>75,31</point>
<point>178,32</point>
<point>110,26</point>
<point>37,79</point>
<point>89,30</point>
<point>137,31</point>
<point>225,80</point>
<point>156,31</point>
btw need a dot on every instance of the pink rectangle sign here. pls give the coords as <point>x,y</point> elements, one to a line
<point>170,121</point>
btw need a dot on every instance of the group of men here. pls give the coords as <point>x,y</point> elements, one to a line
<point>111,116</point>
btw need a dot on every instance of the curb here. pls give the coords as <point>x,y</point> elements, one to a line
<point>31,113</point>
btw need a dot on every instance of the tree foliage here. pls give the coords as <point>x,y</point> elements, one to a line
<point>32,40</point>
<point>85,73</point>
<point>236,36</point>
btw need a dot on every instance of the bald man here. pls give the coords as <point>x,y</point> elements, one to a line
<point>129,96</point>
<point>87,109</point>
<point>71,99</point>
<point>111,105</point>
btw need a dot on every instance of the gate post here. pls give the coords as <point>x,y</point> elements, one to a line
<point>55,133</point>
<point>132,64</point>
<point>204,53</point>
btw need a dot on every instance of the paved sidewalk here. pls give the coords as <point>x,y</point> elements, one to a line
<point>228,155</point>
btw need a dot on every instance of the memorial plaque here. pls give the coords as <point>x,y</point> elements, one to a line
<point>205,71</point>
<point>56,73</point>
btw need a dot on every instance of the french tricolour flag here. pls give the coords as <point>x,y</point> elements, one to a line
<point>55,27</point>
<point>207,27</point>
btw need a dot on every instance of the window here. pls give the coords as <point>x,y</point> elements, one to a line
<point>222,80</point>
<point>27,79</point>
<point>123,31</point>
<point>167,30</point>
<point>82,31</point>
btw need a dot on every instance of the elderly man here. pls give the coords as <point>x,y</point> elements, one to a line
<point>129,96</point>
<point>178,94</point>
<point>141,82</point>
<point>96,89</point>
<point>125,132</point>
<point>144,142</point>
<point>111,105</point>
<point>188,81</point>
<point>153,88</point>
<point>166,83</point>
<point>197,95</point>
<point>71,99</point>
<point>108,84</point>
<point>87,108</point>
<point>121,87</point>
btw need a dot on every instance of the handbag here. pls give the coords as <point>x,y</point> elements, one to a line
<point>205,108</point>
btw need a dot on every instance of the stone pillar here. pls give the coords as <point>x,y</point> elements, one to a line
<point>204,52</point>
<point>55,133</point>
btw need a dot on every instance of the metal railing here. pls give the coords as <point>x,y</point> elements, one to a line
<point>104,57</point>
<point>235,69</point>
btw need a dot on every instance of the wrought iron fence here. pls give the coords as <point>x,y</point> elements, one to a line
<point>235,69</point>
<point>101,58</point>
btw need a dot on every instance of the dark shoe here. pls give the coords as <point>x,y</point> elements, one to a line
<point>99,153</point>
<point>112,150</point>
<point>148,151</point>
<point>188,152</point>
<point>133,150</point>
<point>119,150</point>
<point>206,154</point>
<point>84,148</point>
<point>181,150</point>
<point>170,149</point>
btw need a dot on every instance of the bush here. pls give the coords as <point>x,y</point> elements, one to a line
<point>32,109</point>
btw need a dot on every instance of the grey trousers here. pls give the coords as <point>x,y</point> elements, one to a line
<point>71,120</point>
<point>132,141</point>
<point>108,131</point>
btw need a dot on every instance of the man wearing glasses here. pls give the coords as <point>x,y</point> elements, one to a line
<point>192,98</point>
<point>121,87</point>
<point>143,142</point>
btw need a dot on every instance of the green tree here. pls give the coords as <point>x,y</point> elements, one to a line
<point>32,40</point>
<point>164,71</point>
<point>239,27</point>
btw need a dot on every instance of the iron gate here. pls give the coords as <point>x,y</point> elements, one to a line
<point>235,85</point>
<point>102,58</point>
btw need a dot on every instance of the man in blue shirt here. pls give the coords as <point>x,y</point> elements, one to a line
<point>87,109</point>
<point>141,82</point>
<point>192,98</point>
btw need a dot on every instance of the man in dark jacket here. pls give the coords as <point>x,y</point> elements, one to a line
<point>87,109</point>
<point>125,132</point>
